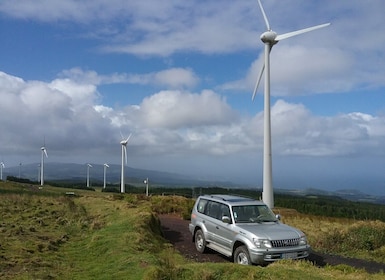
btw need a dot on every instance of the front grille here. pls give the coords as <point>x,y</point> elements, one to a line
<point>285,243</point>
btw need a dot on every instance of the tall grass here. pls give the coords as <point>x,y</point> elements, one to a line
<point>112,236</point>
<point>346,237</point>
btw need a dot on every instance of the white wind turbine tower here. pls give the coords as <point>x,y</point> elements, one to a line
<point>43,153</point>
<point>104,174</point>
<point>270,38</point>
<point>146,181</point>
<point>124,161</point>
<point>88,174</point>
<point>2,165</point>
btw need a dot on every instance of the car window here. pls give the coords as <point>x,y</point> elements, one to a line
<point>213,209</point>
<point>225,211</point>
<point>202,205</point>
<point>253,214</point>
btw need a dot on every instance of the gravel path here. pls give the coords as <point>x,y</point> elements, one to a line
<point>176,231</point>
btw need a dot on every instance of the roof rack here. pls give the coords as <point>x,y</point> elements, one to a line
<point>229,197</point>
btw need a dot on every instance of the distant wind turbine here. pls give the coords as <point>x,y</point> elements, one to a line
<point>270,38</point>
<point>146,182</point>
<point>43,153</point>
<point>2,165</point>
<point>104,174</point>
<point>88,174</point>
<point>124,161</point>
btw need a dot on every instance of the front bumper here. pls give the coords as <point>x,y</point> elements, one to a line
<point>262,256</point>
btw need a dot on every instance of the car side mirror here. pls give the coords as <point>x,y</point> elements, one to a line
<point>226,219</point>
<point>278,217</point>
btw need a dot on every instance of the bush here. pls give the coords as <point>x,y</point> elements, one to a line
<point>172,205</point>
<point>362,236</point>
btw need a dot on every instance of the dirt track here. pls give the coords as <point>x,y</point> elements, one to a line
<point>176,231</point>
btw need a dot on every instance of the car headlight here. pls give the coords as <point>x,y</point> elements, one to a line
<point>262,243</point>
<point>303,240</point>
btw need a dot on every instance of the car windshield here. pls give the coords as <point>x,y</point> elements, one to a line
<point>253,214</point>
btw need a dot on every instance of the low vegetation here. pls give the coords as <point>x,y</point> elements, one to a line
<point>340,236</point>
<point>55,233</point>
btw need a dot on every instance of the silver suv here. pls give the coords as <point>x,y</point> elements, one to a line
<point>245,230</point>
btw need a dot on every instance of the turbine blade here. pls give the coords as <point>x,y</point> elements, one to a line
<point>45,152</point>
<point>264,15</point>
<point>298,32</point>
<point>260,77</point>
<point>128,138</point>
<point>258,81</point>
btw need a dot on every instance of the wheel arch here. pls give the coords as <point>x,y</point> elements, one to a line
<point>237,244</point>
<point>195,230</point>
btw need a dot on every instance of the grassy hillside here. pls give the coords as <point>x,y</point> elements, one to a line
<point>46,234</point>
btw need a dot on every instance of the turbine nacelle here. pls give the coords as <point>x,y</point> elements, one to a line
<point>124,142</point>
<point>269,37</point>
<point>44,150</point>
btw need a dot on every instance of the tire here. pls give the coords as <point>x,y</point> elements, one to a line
<point>200,241</point>
<point>241,256</point>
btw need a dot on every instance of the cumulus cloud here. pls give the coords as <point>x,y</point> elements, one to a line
<point>173,109</point>
<point>173,130</point>
<point>296,131</point>
<point>173,122</point>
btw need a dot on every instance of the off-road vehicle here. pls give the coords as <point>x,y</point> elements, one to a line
<point>244,229</point>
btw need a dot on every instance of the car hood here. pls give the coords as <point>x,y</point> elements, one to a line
<point>270,230</point>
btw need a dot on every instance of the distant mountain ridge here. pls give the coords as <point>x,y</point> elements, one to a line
<point>78,173</point>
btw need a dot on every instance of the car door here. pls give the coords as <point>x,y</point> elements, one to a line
<point>224,231</point>
<point>211,221</point>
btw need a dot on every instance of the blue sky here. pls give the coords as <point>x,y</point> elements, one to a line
<point>179,75</point>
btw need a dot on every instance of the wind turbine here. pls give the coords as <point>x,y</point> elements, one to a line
<point>2,165</point>
<point>104,174</point>
<point>270,38</point>
<point>88,174</point>
<point>146,182</point>
<point>43,153</point>
<point>124,161</point>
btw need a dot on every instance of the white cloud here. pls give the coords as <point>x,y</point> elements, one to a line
<point>298,132</point>
<point>171,122</point>
<point>176,78</point>
<point>175,109</point>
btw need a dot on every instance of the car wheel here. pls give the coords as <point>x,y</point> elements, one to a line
<point>200,241</point>
<point>241,256</point>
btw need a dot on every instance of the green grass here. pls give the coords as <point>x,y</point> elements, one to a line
<point>45,234</point>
